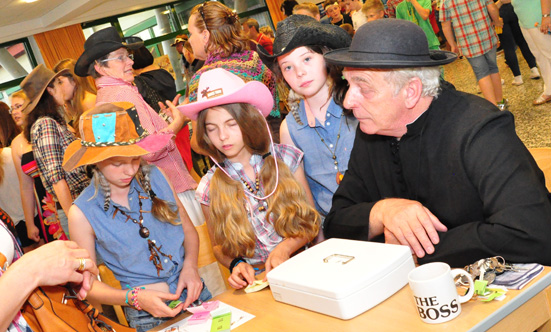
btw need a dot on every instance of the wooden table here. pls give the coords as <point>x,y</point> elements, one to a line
<point>525,310</point>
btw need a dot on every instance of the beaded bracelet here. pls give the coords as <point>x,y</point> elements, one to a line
<point>134,297</point>
<point>235,262</point>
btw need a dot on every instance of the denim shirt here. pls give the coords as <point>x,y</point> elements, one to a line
<point>118,242</point>
<point>318,161</point>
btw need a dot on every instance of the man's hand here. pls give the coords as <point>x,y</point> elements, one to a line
<point>408,223</point>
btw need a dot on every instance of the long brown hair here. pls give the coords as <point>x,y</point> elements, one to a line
<point>226,33</point>
<point>82,85</point>
<point>8,128</point>
<point>46,106</point>
<point>289,209</point>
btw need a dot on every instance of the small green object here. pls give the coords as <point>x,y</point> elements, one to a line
<point>480,287</point>
<point>174,304</point>
<point>221,323</point>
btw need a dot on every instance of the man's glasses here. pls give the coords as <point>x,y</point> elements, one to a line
<point>15,107</point>
<point>121,58</point>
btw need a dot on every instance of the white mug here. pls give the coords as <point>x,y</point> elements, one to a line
<point>435,293</point>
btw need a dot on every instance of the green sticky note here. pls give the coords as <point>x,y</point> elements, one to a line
<point>480,286</point>
<point>221,323</point>
<point>174,303</point>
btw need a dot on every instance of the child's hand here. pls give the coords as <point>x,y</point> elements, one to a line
<point>190,279</point>
<point>242,275</point>
<point>153,302</point>
<point>279,255</point>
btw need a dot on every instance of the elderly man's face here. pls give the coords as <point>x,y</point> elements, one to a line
<point>374,104</point>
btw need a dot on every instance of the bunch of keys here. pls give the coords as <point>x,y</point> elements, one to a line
<point>487,269</point>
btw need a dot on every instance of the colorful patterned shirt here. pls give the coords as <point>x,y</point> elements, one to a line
<point>50,140</point>
<point>246,65</point>
<point>472,25</point>
<point>391,7</point>
<point>112,89</point>
<point>266,237</point>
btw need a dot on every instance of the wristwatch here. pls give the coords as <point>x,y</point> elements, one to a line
<point>546,15</point>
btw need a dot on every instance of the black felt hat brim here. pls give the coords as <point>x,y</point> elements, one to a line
<point>346,58</point>
<point>300,30</point>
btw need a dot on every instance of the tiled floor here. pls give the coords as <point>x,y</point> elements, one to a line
<point>533,123</point>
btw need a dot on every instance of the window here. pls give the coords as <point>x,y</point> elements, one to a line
<point>16,61</point>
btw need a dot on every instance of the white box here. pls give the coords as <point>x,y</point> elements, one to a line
<point>342,278</point>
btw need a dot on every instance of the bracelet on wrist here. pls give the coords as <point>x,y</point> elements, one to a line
<point>133,301</point>
<point>235,262</point>
<point>546,15</point>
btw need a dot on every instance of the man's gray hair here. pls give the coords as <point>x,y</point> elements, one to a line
<point>429,76</point>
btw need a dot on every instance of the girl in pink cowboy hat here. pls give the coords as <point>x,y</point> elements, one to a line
<point>258,205</point>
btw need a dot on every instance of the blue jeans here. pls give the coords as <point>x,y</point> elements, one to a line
<point>484,65</point>
<point>143,321</point>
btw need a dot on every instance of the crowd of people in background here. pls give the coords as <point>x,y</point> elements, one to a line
<point>333,124</point>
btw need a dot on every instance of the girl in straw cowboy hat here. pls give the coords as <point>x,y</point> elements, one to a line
<point>257,202</point>
<point>319,125</point>
<point>49,135</point>
<point>131,216</point>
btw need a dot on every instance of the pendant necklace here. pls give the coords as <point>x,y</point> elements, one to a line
<point>154,249</point>
<point>254,190</point>
<point>334,151</point>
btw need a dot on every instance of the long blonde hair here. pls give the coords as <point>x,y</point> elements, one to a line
<point>226,33</point>
<point>288,207</point>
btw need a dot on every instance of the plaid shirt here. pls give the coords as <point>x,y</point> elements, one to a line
<point>50,140</point>
<point>472,25</point>
<point>266,237</point>
<point>112,89</point>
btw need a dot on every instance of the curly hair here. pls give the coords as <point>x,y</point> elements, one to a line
<point>288,209</point>
<point>226,33</point>
<point>337,85</point>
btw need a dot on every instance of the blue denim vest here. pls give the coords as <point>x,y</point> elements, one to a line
<point>119,243</point>
<point>318,162</point>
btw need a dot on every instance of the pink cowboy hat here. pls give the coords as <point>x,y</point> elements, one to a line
<point>220,87</point>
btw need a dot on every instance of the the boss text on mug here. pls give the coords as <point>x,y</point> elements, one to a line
<point>429,308</point>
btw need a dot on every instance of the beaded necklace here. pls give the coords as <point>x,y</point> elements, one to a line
<point>334,151</point>
<point>255,190</point>
<point>154,249</point>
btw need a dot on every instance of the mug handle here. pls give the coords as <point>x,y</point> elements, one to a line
<point>470,293</point>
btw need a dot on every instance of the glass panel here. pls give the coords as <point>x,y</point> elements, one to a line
<point>183,9</point>
<point>241,6</point>
<point>14,62</point>
<point>89,31</point>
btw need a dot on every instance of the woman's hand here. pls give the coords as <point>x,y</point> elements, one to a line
<point>241,276</point>
<point>190,280</point>
<point>153,302</point>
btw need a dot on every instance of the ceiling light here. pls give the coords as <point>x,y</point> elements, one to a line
<point>29,1</point>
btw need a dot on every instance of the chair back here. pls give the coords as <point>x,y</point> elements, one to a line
<point>107,277</point>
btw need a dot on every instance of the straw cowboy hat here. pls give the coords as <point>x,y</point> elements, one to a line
<point>111,130</point>
<point>36,83</point>
<point>100,43</point>
<point>219,87</point>
<point>179,39</point>
<point>389,43</point>
<point>301,30</point>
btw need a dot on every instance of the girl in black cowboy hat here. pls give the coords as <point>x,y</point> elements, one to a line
<point>318,125</point>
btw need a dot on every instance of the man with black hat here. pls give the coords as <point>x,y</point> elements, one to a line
<point>433,168</point>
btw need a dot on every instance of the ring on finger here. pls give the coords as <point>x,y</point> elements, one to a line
<point>82,264</point>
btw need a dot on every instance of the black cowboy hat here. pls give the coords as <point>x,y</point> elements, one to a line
<point>100,43</point>
<point>389,43</point>
<point>301,30</point>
